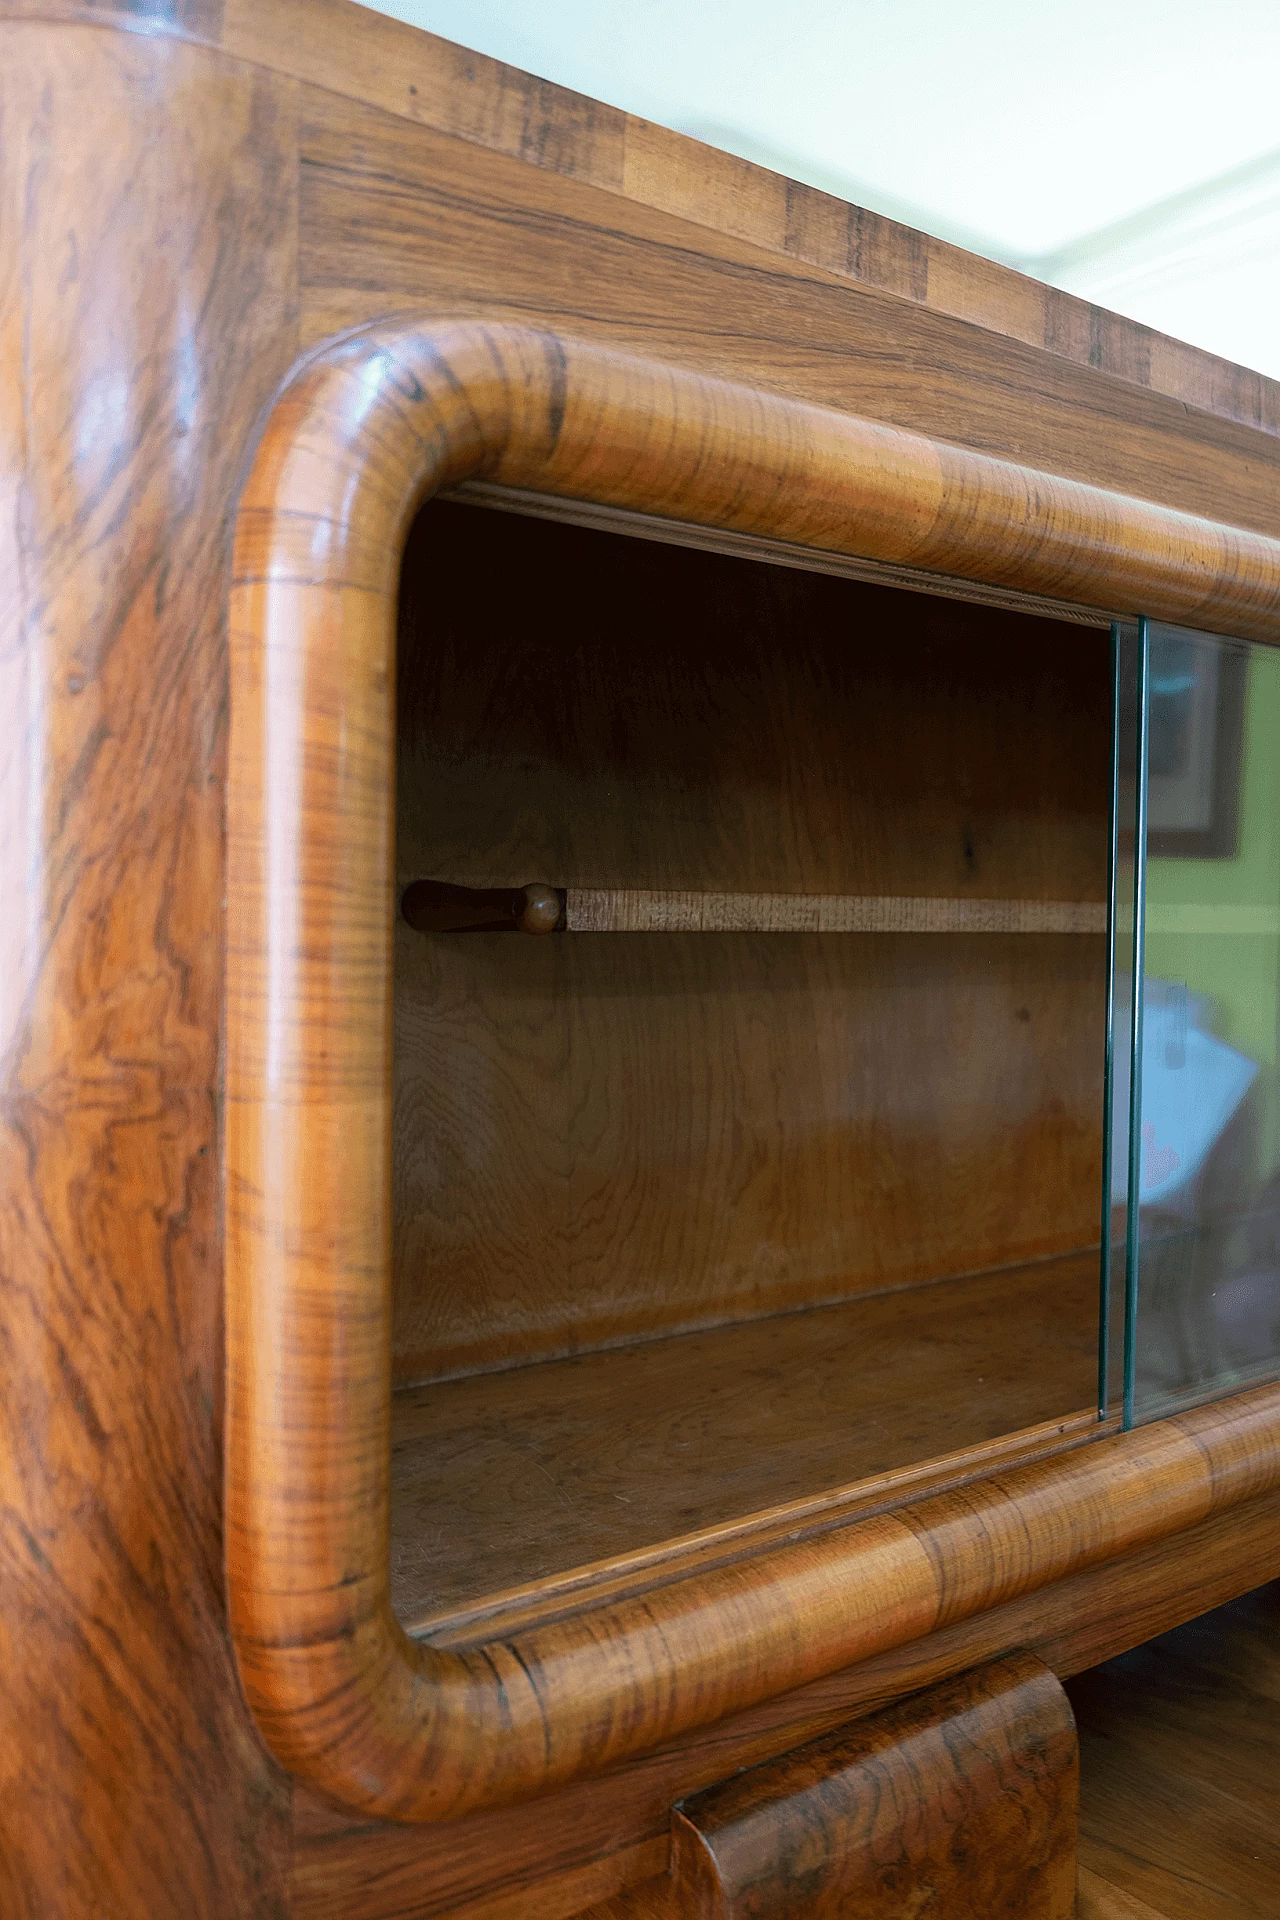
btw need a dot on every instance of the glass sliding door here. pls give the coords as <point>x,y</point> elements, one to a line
<point>1125,897</point>
<point>1192,1209</point>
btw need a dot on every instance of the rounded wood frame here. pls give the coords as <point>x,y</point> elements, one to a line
<point>364,431</point>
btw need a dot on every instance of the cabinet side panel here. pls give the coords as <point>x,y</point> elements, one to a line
<point>148,225</point>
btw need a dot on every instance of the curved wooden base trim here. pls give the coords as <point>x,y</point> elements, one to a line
<point>450,1731</point>
<point>365,430</point>
<point>962,1801</point>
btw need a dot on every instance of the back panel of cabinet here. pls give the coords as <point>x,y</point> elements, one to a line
<point>607,1137</point>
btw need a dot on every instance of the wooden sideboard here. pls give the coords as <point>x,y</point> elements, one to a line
<point>272,276</point>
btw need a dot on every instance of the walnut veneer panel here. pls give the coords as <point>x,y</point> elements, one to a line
<point>493,104</point>
<point>656,1899</point>
<point>147,217</point>
<point>612,1833</point>
<point>453,90</point>
<point>391,221</point>
<point>691,1130</point>
<point>148,312</point>
<point>611,711</point>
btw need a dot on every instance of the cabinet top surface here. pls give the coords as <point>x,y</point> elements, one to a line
<point>350,50</point>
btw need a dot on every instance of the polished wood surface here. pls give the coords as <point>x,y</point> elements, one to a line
<point>576,1695</point>
<point>852,1114</point>
<point>145,317</point>
<point>505,1478</point>
<point>612,1833</point>
<point>519,406</point>
<point>362,433</point>
<point>161,263</point>
<point>961,1801</point>
<point>452,90</point>
<point>390,220</point>
<point>1180,1766</point>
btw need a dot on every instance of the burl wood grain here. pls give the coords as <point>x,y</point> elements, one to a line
<point>614,1138</point>
<point>146,230</point>
<point>1180,1756</point>
<point>961,1801</point>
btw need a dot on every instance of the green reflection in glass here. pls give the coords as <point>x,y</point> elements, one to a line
<point>1202,1184</point>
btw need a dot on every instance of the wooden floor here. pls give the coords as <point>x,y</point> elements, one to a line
<point>500,1479</point>
<point>1180,1772</point>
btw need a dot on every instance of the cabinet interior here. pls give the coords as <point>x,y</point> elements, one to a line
<point>691,1224</point>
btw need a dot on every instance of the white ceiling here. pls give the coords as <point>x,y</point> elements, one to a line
<point>1126,149</point>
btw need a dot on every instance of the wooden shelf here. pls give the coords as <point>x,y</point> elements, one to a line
<point>504,1479</point>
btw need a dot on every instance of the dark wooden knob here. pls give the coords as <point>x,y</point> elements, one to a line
<point>441,906</point>
<point>541,910</point>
